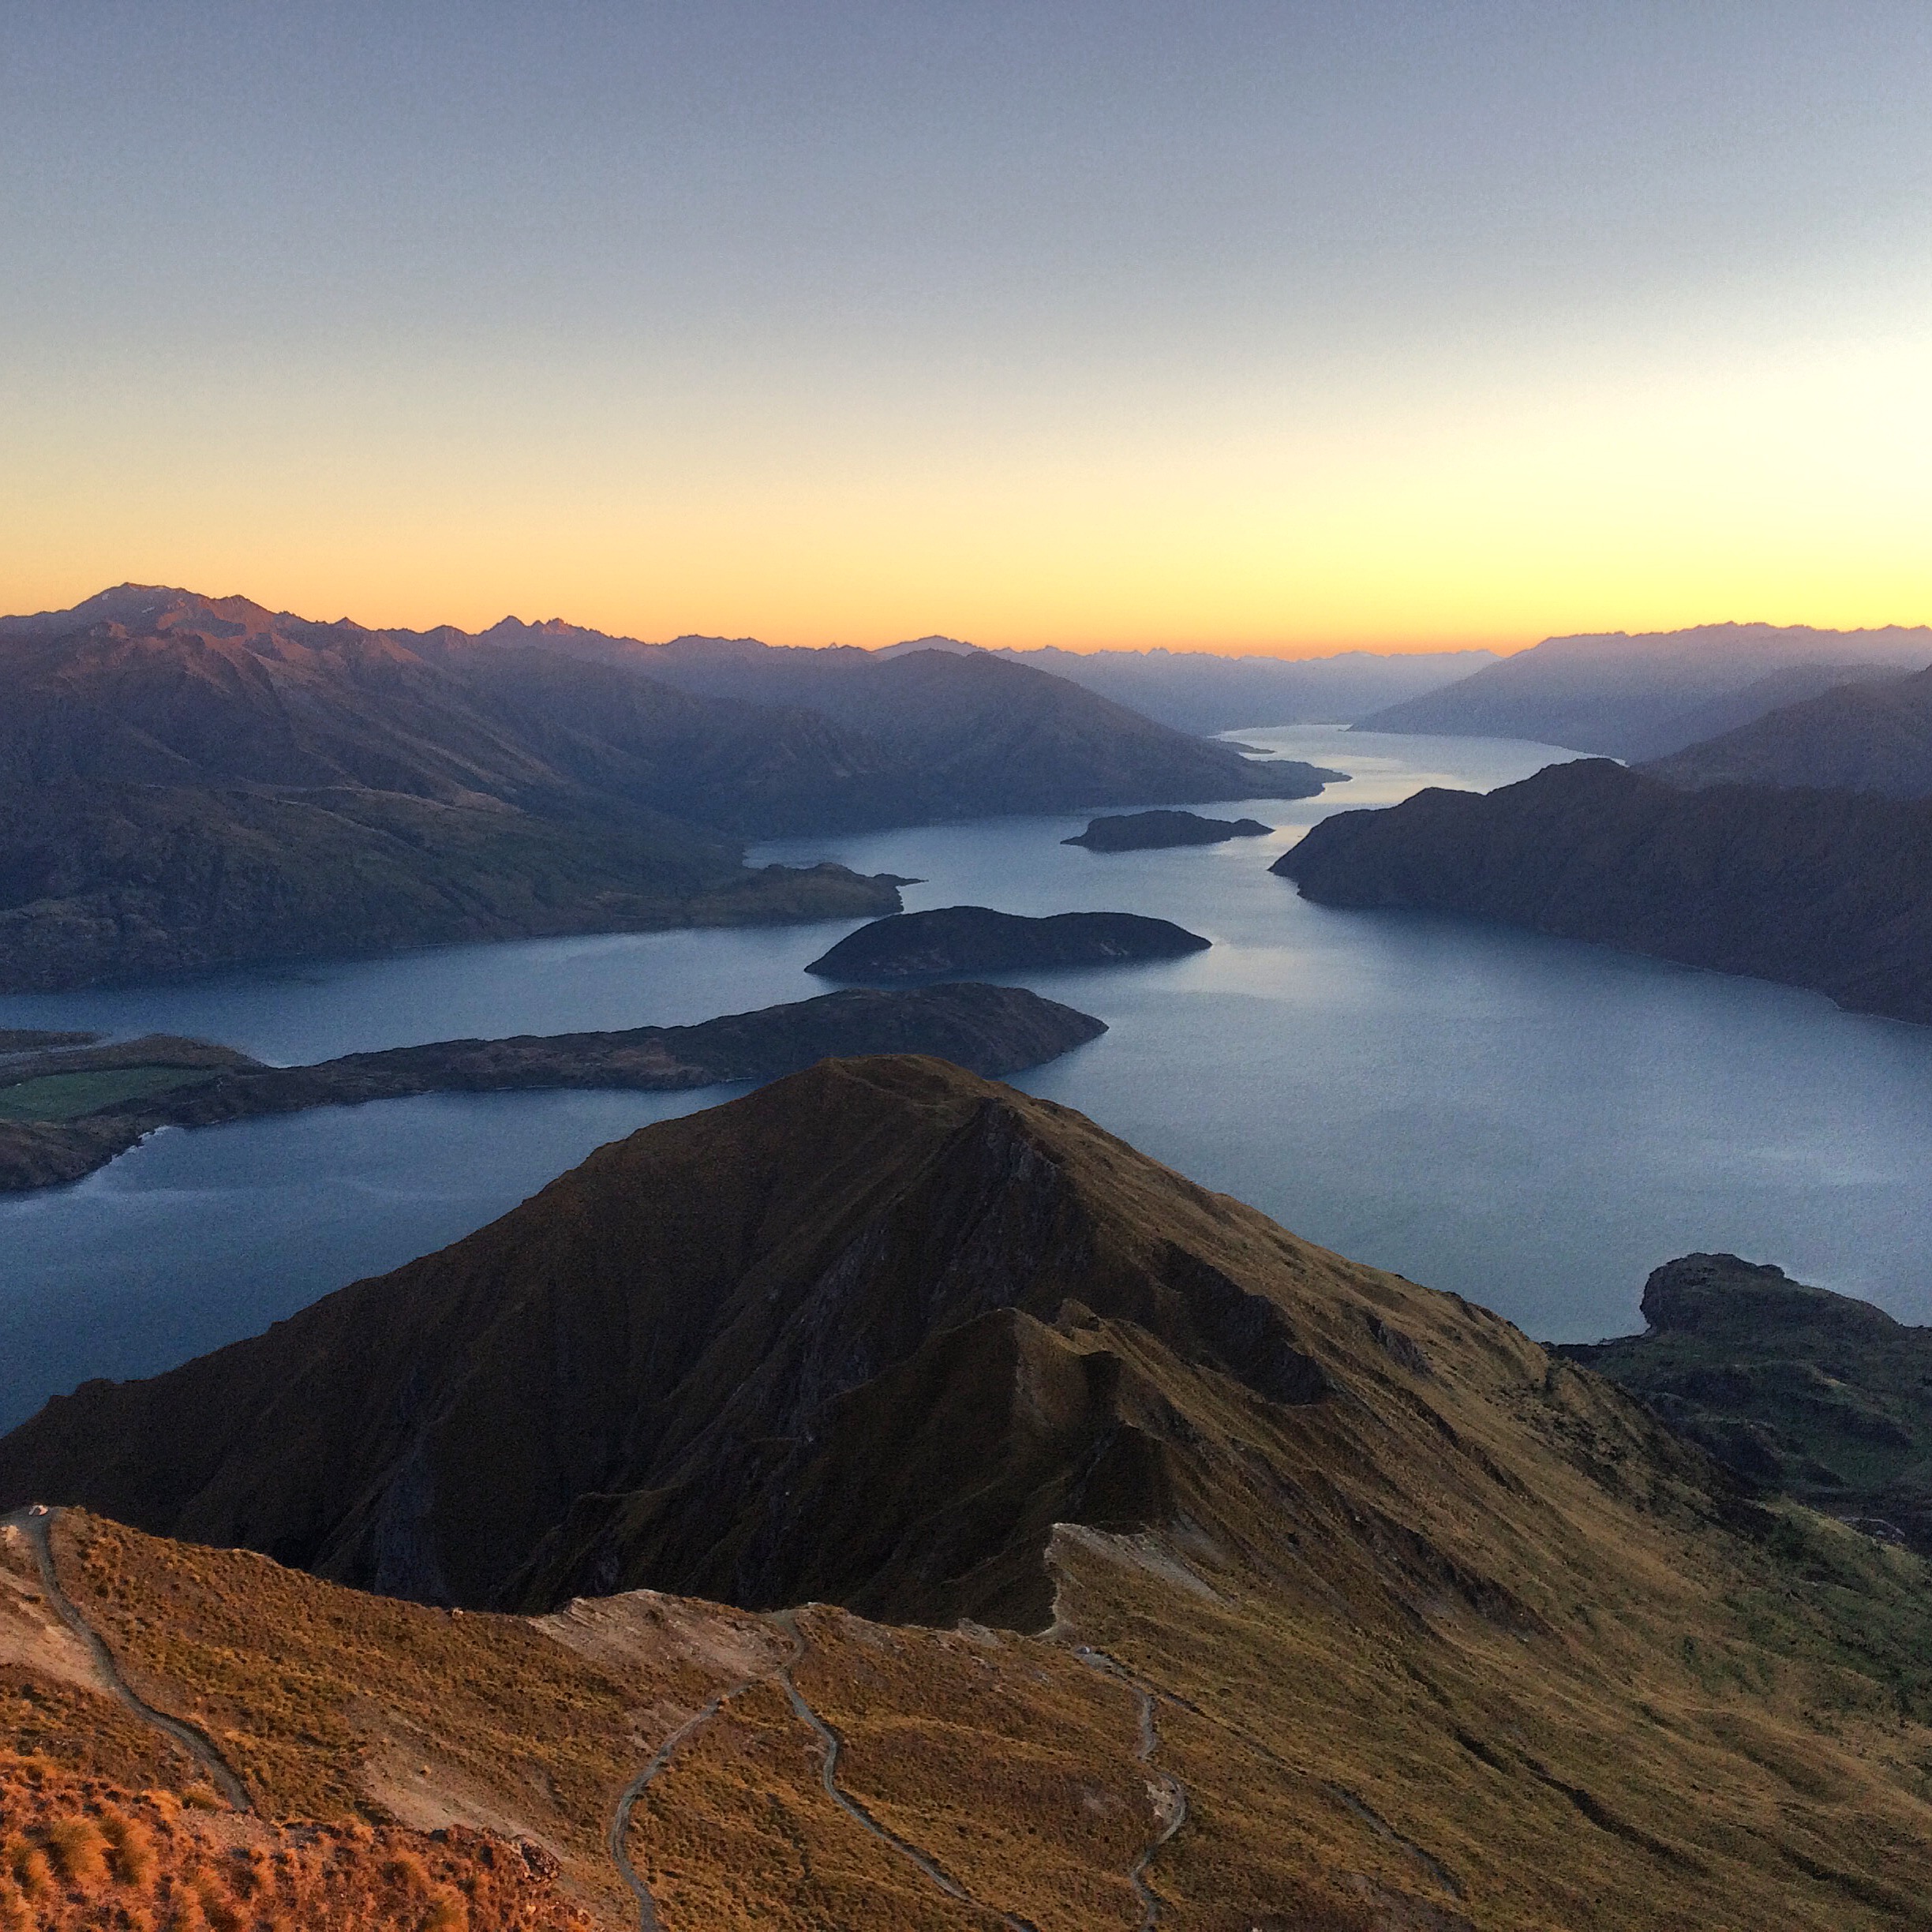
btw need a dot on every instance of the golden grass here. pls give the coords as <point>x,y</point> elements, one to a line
<point>78,1855</point>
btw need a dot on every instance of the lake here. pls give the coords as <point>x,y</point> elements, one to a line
<point>1531,1122</point>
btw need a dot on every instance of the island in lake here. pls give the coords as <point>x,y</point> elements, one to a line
<point>1154,831</point>
<point>963,939</point>
<point>64,1113</point>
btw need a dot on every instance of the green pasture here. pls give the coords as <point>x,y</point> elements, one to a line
<point>65,1096</point>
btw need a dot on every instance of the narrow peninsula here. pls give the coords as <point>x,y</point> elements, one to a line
<point>64,1114</point>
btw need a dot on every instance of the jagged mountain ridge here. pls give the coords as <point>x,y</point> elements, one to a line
<point>186,781</point>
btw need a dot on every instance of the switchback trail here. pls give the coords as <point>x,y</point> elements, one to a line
<point>648,1920</point>
<point>1169,1794</point>
<point>832,1745</point>
<point>199,1746</point>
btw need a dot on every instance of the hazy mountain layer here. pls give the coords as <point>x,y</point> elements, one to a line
<point>1645,696</point>
<point>1356,1609</point>
<point>1204,691</point>
<point>1828,890</point>
<point>1867,737</point>
<point>976,733</point>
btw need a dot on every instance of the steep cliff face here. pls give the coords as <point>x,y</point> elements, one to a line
<point>1827,889</point>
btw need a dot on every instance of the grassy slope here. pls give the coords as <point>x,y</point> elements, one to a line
<point>1467,1640</point>
<point>1795,1388</point>
<point>1707,1740</point>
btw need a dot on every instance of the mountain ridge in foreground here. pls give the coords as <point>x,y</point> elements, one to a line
<point>1351,1607</point>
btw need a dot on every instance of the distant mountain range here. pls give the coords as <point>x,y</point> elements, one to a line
<point>1207,691</point>
<point>1229,1583</point>
<point>1195,692</point>
<point>186,781</point>
<point>1645,696</point>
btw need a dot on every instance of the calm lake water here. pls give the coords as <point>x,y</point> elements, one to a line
<point>1533,1123</point>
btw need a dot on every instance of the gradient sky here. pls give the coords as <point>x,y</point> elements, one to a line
<point>1289,327</point>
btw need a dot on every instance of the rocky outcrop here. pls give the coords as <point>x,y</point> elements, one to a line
<point>1794,1388</point>
<point>951,940</point>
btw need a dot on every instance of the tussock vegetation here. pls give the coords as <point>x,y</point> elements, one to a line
<point>77,1853</point>
<point>336,1706</point>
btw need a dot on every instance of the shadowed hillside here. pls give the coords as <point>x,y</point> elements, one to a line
<point>978,732</point>
<point>186,782</point>
<point>1869,737</point>
<point>1826,889</point>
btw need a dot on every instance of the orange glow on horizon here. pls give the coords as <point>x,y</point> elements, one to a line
<point>1434,516</point>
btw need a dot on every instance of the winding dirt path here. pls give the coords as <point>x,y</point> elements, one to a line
<point>832,1745</point>
<point>35,1524</point>
<point>648,1920</point>
<point>1169,1794</point>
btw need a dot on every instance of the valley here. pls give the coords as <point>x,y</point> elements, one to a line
<point>1553,1107</point>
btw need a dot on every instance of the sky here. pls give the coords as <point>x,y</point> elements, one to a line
<point>1395,324</point>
